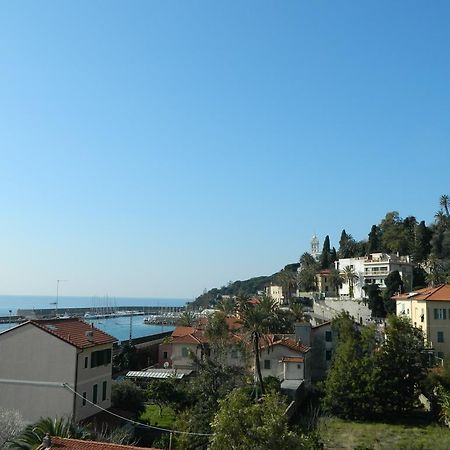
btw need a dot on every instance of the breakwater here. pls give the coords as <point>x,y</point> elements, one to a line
<point>105,312</point>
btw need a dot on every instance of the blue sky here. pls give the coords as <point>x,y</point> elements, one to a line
<point>154,148</point>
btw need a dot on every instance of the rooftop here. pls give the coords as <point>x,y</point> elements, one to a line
<point>73,331</point>
<point>76,444</point>
<point>438,293</point>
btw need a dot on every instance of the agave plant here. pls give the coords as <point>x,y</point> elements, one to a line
<point>32,436</point>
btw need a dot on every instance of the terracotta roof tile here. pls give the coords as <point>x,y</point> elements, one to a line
<point>291,344</point>
<point>74,332</point>
<point>438,293</point>
<point>76,444</point>
<point>182,331</point>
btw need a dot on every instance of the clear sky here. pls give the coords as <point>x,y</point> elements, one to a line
<point>157,148</point>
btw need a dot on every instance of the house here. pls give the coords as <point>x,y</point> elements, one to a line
<point>322,340</point>
<point>429,309</point>
<point>324,285</point>
<point>286,359</point>
<point>55,368</point>
<point>275,293</point>
<point>373,269</point>
<point>77,444</point>
<point>188,342</point>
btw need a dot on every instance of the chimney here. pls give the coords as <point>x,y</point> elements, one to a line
<point>89,335</point>
<point>47,441</point>
<point>303,333</point>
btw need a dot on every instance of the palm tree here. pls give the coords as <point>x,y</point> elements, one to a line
<point>288,280</point>
<point>31,438</point>
<point>186,319</point>
<point>444,203</point>
<point>227,306</point>
<point>298,311</point>
<point>350,276</point>
<point>257,322</point>
<point>336,279</point>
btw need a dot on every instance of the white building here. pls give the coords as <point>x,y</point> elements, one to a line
<point>44,361</point>
<point>373,269</point>
<point>275,293</point>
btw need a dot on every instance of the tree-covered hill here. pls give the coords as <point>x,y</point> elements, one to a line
<point>245,287</point>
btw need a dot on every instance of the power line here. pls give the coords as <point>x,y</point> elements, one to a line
<point>144,425</point>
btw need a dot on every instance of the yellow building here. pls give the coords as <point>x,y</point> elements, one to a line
<point>429,309</point>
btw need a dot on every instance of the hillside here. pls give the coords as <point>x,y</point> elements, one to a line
<point>245,287</point>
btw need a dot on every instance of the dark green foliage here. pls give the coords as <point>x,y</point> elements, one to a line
<point>394,285</point>
<point>242,424</point>
<point>32,435</point>
<point>203,392</point>
<point>348,247</point>
<point>126,358</point>
<point>374,242</point>
<point>370,378</point>
<point>165,393</point>
<point>307,275</point>
<point>127,396</point>
<point>375,301</point>
<point>419,277</point>
<point>333,256</point>
<point>325,257</point>
<point>422,244</point>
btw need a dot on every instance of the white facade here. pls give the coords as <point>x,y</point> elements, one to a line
<point>34,366</point>
<point>373,269</point>
<point>275,293</point>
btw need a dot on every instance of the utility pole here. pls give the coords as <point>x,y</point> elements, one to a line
<point>131,327</point>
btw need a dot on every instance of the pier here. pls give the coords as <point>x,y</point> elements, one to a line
<point>95,313</point>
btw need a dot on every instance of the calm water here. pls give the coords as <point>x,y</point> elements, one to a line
<point>119,327</point>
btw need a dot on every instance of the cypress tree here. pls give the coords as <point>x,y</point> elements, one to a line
<point>325,258</point>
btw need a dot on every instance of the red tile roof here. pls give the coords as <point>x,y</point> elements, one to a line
<point>438,293</point>
<point>182,331</point>
<point>291,344</point>
<point>74,332</point>
<point>76,444</point>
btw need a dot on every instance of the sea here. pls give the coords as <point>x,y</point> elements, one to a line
<point>119,327</point>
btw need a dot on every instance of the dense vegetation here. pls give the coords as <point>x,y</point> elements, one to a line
<point>427,245</point>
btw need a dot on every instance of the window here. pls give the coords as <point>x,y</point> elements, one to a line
<point>84,399</point>
<point>267,364</point>
<point>104,386</point>
<point>328,355</point>
<point>185,352</point>
<point>101,358</point>
<point>328,336</point>
<point>440,336</point>
<point>86,359</point>
<point>94,393</point>
<point>165,355</point>
<point>440,313</point>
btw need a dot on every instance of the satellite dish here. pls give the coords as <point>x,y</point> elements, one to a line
<point>166,365</point>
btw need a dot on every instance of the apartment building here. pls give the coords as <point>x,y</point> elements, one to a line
<point>373,269</point>
<point>429,309</point>
<point>54,368</point>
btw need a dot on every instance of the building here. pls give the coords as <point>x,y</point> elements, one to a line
<point>324,285</point>
<point>315,248</point>
<point>373,269</point>
<point>44,362</point>
<point>188,343</point>
<point>275,293</point>
<point>286,359</point>
<point>429,309</point>
<point>322,341</point>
